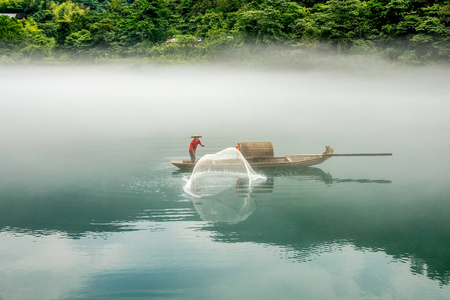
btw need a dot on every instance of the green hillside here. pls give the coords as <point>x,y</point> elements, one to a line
<point>410,31</point>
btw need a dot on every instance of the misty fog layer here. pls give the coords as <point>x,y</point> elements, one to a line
<point>48,103</point>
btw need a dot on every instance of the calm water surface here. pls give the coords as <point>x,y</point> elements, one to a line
<point>91,208</point>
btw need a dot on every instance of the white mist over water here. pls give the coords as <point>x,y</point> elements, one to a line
<point>353,108</point>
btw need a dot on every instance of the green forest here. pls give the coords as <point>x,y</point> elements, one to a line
<point>409,31</point>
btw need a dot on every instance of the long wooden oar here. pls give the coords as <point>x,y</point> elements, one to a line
<point>360,154</point>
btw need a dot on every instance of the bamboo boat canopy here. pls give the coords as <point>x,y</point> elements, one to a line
<point>257,150</point>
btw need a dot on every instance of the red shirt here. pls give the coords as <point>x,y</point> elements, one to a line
<point>193,145</point>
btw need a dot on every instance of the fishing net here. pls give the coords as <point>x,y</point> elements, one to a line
<point>215,173</point>
<point>229,210</point>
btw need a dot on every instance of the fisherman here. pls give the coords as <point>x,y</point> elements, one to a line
<point>193,146</point>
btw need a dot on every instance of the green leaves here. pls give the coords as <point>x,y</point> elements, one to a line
<point>10,29</point>
<point>145,20</point>
<point>79,40</point>
<point>263,26</point>
<point>65,10</point>
<point>203,28</point>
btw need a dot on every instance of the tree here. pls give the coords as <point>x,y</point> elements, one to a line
<point>263,26</point>
<point>145,20</point>
<point>63,30</point>
<point>116,5</point>
<point>79,40</point>
<point>209,23</point>
<point>35,42</point>
<point>291,17</point>
<point>338,22</point>
<point>65,10</point>
<point>10,29</point>
<point>444,15</point>
<point>103,32</point>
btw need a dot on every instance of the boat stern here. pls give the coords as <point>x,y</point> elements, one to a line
<point>183,164</point>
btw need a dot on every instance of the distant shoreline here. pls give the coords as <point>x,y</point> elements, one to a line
<point>281,57</point>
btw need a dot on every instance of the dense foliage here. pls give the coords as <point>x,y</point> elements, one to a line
<point>414,31</point>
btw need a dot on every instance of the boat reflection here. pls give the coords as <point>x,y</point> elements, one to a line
<point>106,205</point>
<point>233,200</point>
<point>314,173</point>
<point>301,173</point>
<point>318,175</point>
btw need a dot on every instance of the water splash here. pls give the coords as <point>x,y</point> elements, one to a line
<point>215,173</point>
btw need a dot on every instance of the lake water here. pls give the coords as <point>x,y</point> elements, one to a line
<point>91,207</point>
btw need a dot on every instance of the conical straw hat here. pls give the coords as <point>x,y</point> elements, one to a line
<point>196,136</point>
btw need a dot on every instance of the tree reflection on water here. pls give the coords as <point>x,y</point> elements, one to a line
<point>289,209</point>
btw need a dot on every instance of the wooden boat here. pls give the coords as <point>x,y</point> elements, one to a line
<point>260,155</point>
